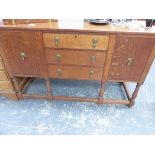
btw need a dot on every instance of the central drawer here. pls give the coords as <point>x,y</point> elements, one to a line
<point>75,57</point>
<point>79,73</point>
<point>76,41</point>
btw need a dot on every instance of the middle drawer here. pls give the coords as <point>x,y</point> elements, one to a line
<point>90,58</point>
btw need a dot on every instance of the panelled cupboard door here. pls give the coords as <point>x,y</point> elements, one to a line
<point>130,56</point>
<point>24,52</point>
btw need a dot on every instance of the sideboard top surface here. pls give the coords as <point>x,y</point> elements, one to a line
<point>87,27</point>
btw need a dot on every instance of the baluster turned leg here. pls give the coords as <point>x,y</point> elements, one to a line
<point>134,95</point>
<point>17,88</point>
<point>48,86</point>
<point>101,93</point>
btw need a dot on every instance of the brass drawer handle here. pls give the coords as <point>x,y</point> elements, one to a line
<point>22,56</point>
<point>94,42</point>
<point>112,74</point>
<point>93,59</point>
<point>91,72</point>
<point>56,40</point>
<point>129,61</point>
<point>58,58</point>
<point>59,72</point>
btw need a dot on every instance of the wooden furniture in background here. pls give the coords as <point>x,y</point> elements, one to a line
<point>98,53</point>
<point>26,21</point>
<point>6,86</point>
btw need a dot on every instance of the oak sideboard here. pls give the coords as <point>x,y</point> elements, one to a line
<point>103,53</point>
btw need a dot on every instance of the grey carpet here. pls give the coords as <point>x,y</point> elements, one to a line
<point>58,117</point>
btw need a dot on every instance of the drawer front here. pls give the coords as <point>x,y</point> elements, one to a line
<point>5,85</point>
<point>1,65</point>
<point>98,42</point>
<point>79,73</point>
<point>3,75</point>
<point>75,57</point>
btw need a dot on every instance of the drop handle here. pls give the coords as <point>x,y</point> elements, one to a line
<point>94,42</point>
<point>22,56</point>
<point>129,61</point>
<point>91,73</point>
<point>59,72</point>
<point>56,40</point>
<point>58,58</point>
<point>93,59</point>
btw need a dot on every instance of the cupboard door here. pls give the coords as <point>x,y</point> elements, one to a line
<point>24,52</point>
<point>130,56</point>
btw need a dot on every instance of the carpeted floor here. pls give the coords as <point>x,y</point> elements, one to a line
<point>70,118</point>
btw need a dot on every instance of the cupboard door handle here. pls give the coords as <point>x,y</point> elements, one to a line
<point>93,59</point>
<point>129,61</point>
<point>91,72</point>
<point>58,58</point>
<point>59,72</point>
<point>56,40</point>
<point>94,42</point>
<point>22,56</point>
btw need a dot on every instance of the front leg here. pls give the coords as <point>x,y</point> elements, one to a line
<point>134,95</point>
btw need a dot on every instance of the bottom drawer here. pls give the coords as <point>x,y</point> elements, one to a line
<point>79,73</point>
<point>5,85</point>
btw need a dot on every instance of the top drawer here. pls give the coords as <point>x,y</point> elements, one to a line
<point>77,41</point>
